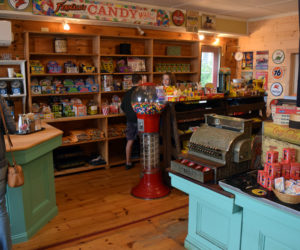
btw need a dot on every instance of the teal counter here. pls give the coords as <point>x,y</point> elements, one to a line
<point>232,220</point>
<point>31,206</point>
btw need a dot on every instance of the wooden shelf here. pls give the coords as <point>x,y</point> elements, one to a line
<point>116,137</point>
<point>65,74</point>
<point>127,73</point>
<point>82,142</point>
<point>114,92</point>
<point>78,169</point>
<point>59,54</point>
<point>176,73</point>
<point>121,55</point>
<point>11,78</point>
<point>118,160</point>
<point>77,118</point>
<point>65,94</point>
<point>175,57</point>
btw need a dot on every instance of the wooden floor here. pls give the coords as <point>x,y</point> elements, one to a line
<point>96,211</point>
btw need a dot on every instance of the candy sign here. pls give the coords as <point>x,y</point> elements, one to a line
<point>277,72</point>
<point>102,11</point>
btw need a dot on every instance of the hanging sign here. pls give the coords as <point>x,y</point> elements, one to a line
<point>262,59</point>
<point>19,4</point>
<point>276,89</point>
<point>178,18</point>
<point>192,21</point>
<point>102,11</point>
<point>278,56</point>
<point>277,73</point>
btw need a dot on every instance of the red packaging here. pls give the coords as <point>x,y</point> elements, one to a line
<point>183,161</point>
<point>269,183</point>
<point>191,164</point>
<point>272,156</point>
<point>199,167</point>
<point>205,169</point>
<point>286,168</point>
<point>261,178</point>
<point>289,155</point>
<point>295,171</point>
<point>274,170</point>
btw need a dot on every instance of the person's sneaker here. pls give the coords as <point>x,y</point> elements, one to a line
<point>127,166</point>
<point>97,161</point>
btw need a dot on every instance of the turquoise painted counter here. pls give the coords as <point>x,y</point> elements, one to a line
<point>31,206</point>
<point>214,219</point>
<point>233,220</point>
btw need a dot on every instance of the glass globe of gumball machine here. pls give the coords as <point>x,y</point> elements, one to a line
<point>148,101</point>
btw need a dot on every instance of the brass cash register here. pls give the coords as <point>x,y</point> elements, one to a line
<point>219,148</point>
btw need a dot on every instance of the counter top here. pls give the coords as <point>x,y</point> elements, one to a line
<point>240,183</point>
<point>24,142</point>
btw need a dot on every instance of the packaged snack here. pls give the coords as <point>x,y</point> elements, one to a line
<point>295,189</point>
<point>288,184</point>
<point>279,184</point>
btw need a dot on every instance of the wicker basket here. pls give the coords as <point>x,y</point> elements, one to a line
<point>287,198</point>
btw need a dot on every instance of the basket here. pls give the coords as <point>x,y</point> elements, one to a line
<point>287,198</point>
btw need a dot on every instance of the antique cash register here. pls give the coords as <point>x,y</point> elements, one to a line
<point>219,148</point>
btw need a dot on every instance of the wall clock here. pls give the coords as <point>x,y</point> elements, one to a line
<point>276,89</point>
<point>238,56</point>
<point>19,4</point>
<point>278,56</point>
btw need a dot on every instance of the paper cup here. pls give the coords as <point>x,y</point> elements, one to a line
<point>10,72</point>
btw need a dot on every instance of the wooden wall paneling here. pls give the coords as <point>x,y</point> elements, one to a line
<point>149,51</point>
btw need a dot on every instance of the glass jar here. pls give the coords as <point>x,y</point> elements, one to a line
<point>60,45</point>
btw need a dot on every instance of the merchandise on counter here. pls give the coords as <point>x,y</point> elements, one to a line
<point>87,68</point>
<point>36,67</point>
<point>107,65</point>
<point>70,67</point>
<point>53,67</point>
<point>136,64</point>
<point>281,113</point>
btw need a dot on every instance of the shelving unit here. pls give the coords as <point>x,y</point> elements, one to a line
<point>19,67</point>
<point>91,49</point>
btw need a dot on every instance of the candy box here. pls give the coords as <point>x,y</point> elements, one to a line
<point>274,170</point>
<point>279,184</point>
<point>53,67</point>
<point>83,89</point>
<point>272,156</point>
<point>48,90</point>
<point>261,178</point>
<point>286,168</point>
<point>79,109</point>
<point>72,89</point>
<point>295,171</point>
<point>289,155</point>
<point>288,184</point>
<point>269,183</point>
<point>93,87</point>
<point>36,90</point>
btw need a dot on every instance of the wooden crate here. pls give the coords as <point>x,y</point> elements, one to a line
<point>277,145</point>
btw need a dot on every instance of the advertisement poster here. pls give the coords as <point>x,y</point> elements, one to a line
<point>263,75</point>
<point>262,60</point>
<point>247,76</point>
<point>208,22</point>
<point>192,21</point>
<point>247,61</point>
<point>102,11</point>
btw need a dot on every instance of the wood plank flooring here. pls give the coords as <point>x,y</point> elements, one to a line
<point>96,211</point>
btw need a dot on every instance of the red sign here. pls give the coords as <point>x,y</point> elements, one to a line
<point>178,17</point>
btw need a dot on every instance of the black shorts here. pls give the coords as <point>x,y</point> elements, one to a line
<point>131,131</point>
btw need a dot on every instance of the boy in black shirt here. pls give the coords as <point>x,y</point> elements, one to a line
<point>131,131</point>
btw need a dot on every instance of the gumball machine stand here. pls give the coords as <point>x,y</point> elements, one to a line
<point>148,102</point>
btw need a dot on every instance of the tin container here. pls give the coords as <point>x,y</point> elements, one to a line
<point>60,45</point>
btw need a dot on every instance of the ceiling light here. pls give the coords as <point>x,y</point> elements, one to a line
<point>217,40</point>
<point>66,26</point>
<point>201,37</point>
<point>140,31</point>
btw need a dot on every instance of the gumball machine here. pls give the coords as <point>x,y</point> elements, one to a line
<point>148,101</point>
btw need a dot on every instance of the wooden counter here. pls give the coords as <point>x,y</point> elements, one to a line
<point>24,142</point>
<point>31,206</point>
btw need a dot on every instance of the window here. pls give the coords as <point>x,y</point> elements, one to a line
<point>210,64</point>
